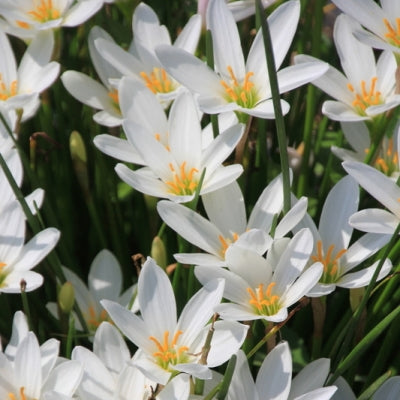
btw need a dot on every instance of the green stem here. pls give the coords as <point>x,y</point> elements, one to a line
<point>279,121</point>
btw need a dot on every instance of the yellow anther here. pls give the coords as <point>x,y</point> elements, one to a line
<point>393,33</point>
<point>226,242</point>
<point>94,319</point>
<point>240,92</point>
<point>44,11</point>
<point>182,183</point>
<point>168,352</point>
<point>158,81</point>
<point>367,97</point>
<point>6,93</point>
<point>22,396</point>
<point>264,302</point>
<point>329,261</point>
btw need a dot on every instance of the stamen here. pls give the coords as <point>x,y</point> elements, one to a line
<point>167,353</point>
<point>113,94</point>
<point>95,320</point>
<point>158,81</point>
<point>182,183</point>
<point>22,396</point>
<point>388,160</point>
<point>226,242</point>
<point>44,11</point>
<point>240,93</point>
<point>6,93</point>
<point>367,97</point>
<point>392,34</point>
<point>330,262</point>
<point>264,302</point>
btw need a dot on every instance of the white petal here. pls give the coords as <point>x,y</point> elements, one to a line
<point>81,11</point>
<point>374,220</point>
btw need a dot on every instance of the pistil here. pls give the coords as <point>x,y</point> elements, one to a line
<point>158,81</point>
<point>182,182</point>
<point>264,302</point>
<point>367,97</point>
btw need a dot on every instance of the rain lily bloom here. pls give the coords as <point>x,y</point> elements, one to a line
<point>383,23</point>
<point>104,282</point>
<point>141,61</point>
<point>262,288</point>
<point>143,112</point>
<point>332,242</point>
<point>274,378</point>
<point>103,96</point>
<point>385,190</point>
<point>25,18</point>
<point>20,87</point>
<point>174,172</point>
<point>169,345</point>
<point>36,372</point>
<point>236,86</point>
<point>357,134</point>
<point>227,222</point>
<point>108,374</point>
<point>16,258</point>
<point>367,88</point>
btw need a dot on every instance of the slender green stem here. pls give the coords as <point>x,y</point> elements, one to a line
<point>279,121</point>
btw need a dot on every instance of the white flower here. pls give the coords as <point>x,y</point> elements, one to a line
<point>143,112</point>
<point>227,222</point>
<point>174,172</point>
<point>103,96</point>
<point>35,372</point>
<point>108,374</point>
<point>332,242</point>
<point>104,282</point>
<point>25,18</point>
<point>385,190</point>
<point>17,259</point>
<point>262,288</point>
<point>382,23</point>
<point>169,345</point>
<point>20,87</point>
<point>274,378</point>
<point>357,134</point>
<point>141,61</point>
<point>367,88</point>
<point>236,86</point>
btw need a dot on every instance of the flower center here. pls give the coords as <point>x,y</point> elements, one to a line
<point>226,242</point>
<point>388,161</point>
<point>367,98</point>
<point>2,274</point>
<point>158,81</point>
<point>20,396</point>
<point>242,93</point>
<point>393,34</point>
<point>167,352</point>
<point>182,182</point>
<point>44,11</point>
<point>330,262</point>
<point>113,94</point>
<point>264,302</point>
<point>94,320</point>
<point>5,92</point>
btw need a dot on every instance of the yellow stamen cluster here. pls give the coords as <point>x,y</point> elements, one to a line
<point>393,34</point>
<point>225,242</point>
<point>242,93</point>
<point>330,262</point>
<point>21,396</point>
<point>158,81</point>
<point>264,302</point>
<point>113,95</point>
<point>169,353</point>
<point>366,98</point>
<point>44,11</point>
<point>388,160</point>
<point>6,93</point>
<point>94,320</point>
<point>182,182</point>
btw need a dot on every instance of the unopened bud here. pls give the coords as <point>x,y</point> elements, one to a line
<point>66,297</point>
<point>79,160</point>
<point>158,252</point>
